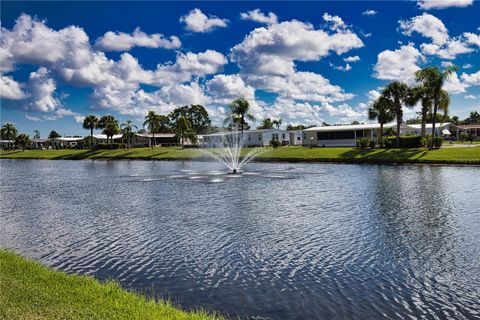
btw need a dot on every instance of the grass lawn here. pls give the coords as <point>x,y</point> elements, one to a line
<point>343,154</point>
<point>29,290</point>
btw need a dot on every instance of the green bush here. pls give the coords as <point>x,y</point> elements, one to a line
<point>463,137</point>
<point>275,143</point>
<point>371,144</point>
<point>405,142</point>
<point>362,143</point>
<point>437,142</point>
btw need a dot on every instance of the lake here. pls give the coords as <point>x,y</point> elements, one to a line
<point>281,241</point>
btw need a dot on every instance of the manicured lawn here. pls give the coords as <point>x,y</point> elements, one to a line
<point>30,291</point>
<point>344,154</point>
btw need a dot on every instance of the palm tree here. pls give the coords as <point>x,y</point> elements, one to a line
<point>153,122</point>
<point>277,123</point>
<point>381,110</point>
<point>433,79</point>
<point>239,112</point>
<point>109,125</point>
<point>90,123</point>
<point>183,127</point>
<point>128,127</point>
<point>22,140</point>
<point>9,132</point>
<point>421,94</point>
<point>397,93</point>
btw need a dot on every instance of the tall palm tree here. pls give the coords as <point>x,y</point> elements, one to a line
<point>153,122</point>
<point>239,110</point>
<point>183,126</point>
<point>90,123</point>
<point>397,93</point>
<point>381,110</point>
<point>9,132</point>
<point>128,127</point>
<point>433,79</point>
<point>22,140</point>
<point>277,123</point>
<point>109,125</point>
<point>421,94</point>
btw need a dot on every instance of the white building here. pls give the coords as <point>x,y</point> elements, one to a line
<point>161,139</point>
<point>102,139</point>
<point>441,129</point>
<point>66,142</point>
<point>296,137</point>
<point>342,136</point>
<point>251,138</point>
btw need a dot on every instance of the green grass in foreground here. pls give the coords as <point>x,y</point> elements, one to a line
<point>29,290</point>
<point>345,154</point>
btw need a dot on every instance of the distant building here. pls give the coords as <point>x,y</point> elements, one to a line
<point>472,130</point>
<point>102,139</point>
<point>66,142</point>
<point>250,138</point>
<point>161,139</point>
<point>342,136</point>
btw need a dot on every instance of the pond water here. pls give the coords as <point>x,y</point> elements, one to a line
<point>281,241</point>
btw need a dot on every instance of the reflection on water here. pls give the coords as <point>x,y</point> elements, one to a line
<point>279,241</point>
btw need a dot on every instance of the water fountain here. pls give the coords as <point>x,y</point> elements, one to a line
<point>230,152</point>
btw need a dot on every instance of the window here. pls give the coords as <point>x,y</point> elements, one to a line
<point>259,138</point>
<point>298,138</point>
<point>249,138</point>
<point>304,136</point>
<point>338,135</point>
<point>283,135</point>
<point>359,133</point>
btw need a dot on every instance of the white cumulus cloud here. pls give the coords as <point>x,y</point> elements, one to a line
<point>120,41</point>
<point>443,4</point>
<point>258,16</point>
<point>197,21</point>
<point>369,12</point>
<point>399,64</point>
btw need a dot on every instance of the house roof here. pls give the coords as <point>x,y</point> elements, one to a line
<point>469,126</point>
<point>40,140</point>
<point>223,133</point>
<point>429,125</point>
<point>350,127</point>
<point>104,136</point>
<point>68,139</point>
<point>157,135</point>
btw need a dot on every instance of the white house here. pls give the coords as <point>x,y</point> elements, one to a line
<point>102,138</point>
<point>66,142</point>
<point>296,137</point>
<point>342,135</point>
<point>441,129</point>
<point>5,144</point>
<point>250,138</point>
<point>161,139</point>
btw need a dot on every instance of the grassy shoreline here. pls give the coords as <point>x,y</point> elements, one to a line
<point>449,155</point>
<point>29,290</point>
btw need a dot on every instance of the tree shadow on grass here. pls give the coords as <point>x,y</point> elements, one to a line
<point>384,155</point>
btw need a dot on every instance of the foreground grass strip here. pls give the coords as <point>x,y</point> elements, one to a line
<point>342,154</point>
<point>29,290</point>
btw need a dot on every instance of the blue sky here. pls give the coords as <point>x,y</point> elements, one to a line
<point>302,62</point>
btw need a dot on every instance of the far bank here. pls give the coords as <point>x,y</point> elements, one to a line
<point>446,155</point>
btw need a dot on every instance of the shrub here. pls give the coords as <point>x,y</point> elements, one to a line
<point>463,137</point>
<point>362,143</point>
<point>405,142</point>
<point>437,142</point>
<point>371,144</point>
<point>275,143</point>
